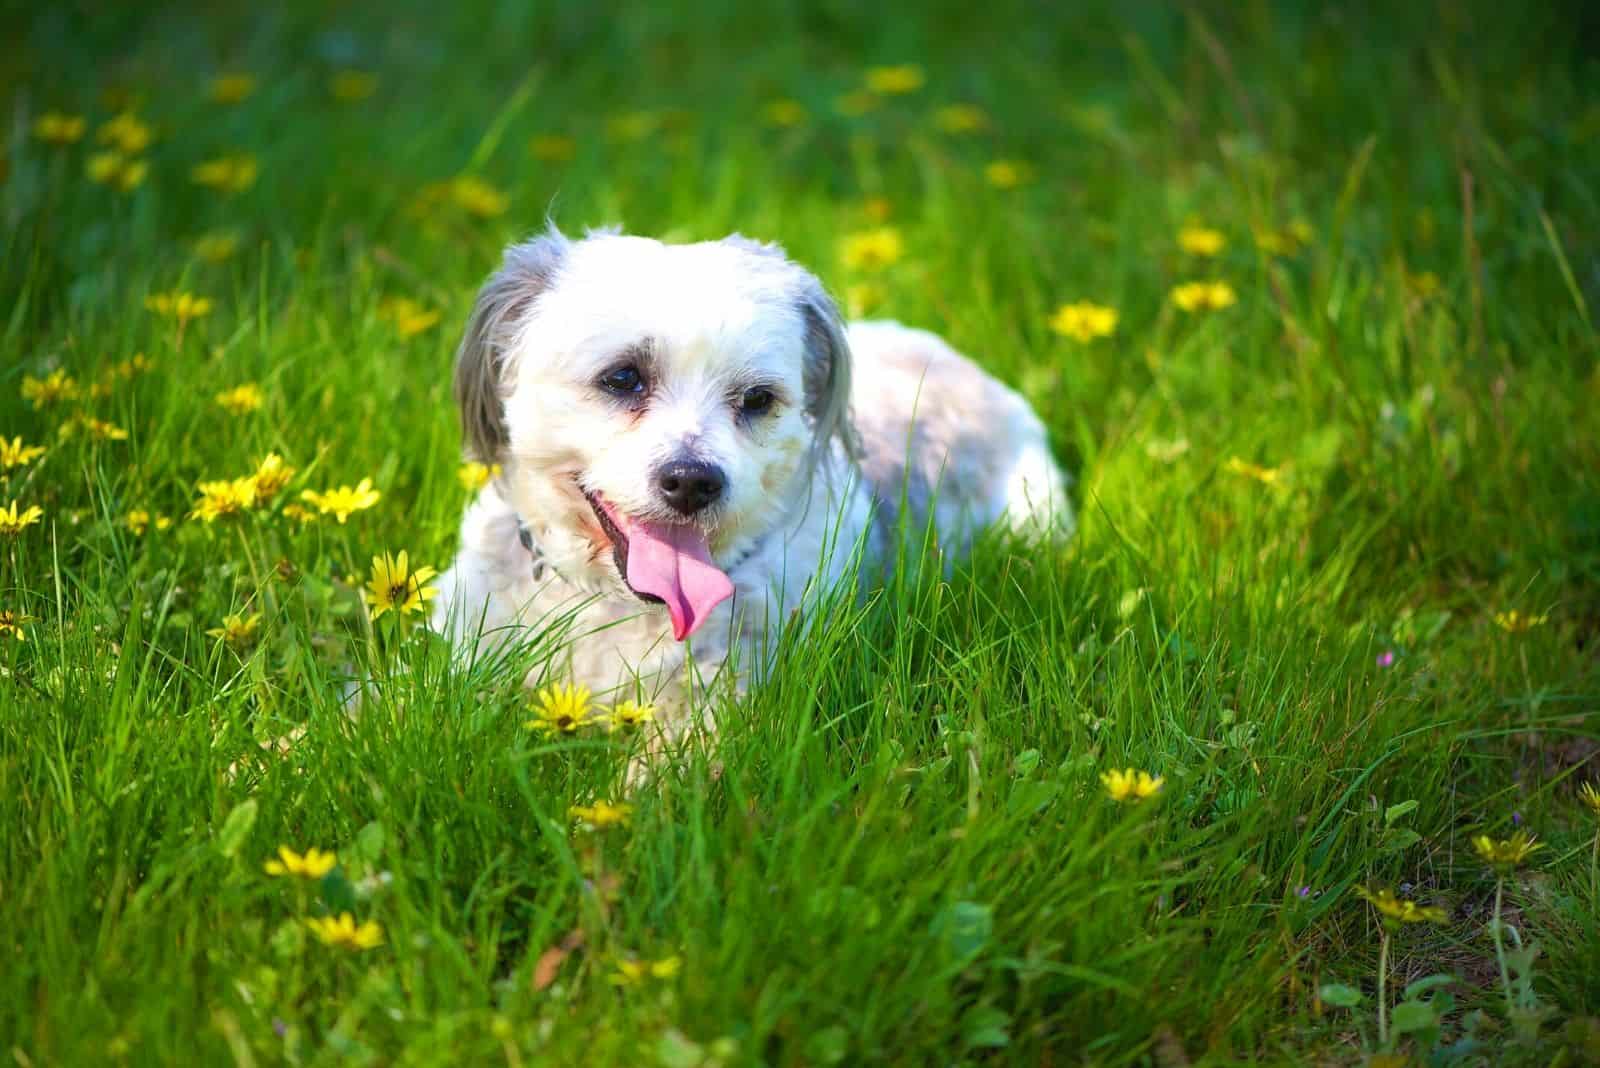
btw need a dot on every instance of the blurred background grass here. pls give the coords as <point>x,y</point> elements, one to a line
<point>898,850</point>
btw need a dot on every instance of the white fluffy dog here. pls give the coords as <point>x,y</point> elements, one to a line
<point>691,444</point>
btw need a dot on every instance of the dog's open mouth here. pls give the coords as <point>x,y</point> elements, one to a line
<point>668,563</point>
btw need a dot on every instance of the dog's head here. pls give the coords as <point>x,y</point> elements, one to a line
<point>656,409</point>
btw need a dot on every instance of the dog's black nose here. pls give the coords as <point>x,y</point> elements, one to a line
<point>689,485</point>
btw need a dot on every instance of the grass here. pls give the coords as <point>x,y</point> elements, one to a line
<point>898,850</point>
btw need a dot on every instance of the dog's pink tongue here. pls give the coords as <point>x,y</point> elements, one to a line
<point>674,564</point>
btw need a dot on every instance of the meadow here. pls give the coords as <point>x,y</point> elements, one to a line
<point>1288,757</point>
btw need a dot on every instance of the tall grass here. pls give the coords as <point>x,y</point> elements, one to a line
<point>897,848</point>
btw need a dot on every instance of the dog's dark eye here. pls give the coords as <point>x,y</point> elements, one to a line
<point>623,381</point>
<point>756,401</point>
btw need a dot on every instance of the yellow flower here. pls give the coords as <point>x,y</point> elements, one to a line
<point>1204,296</point>
<point>634,972</point>
<point>313,865</point>
<point>473,476</point>
<point>1589,794</point>
<point>224,499</point>
<point>601,814</point>
<point>1008,173</point>
<point>960,118</point>
<point>56,128</point>
<point>351,86</point>
<point>180,306</point>
<point>139,520</point>
<point>299,513</point>
<point>1506,853</point>
<point>241,400</point>
<point>853,105</point>
<point>14,453</point>
<point>11,623</point>
<point>13,522</point>
<point>1402,909</point>
<point>344,500</point>
<point>345,933</point>
<point>1084,320</point>
<point>1272,242</point>
<point>553,148</point>
<point>55,387</point>
<point>784,112</point>
<point>116,170</point>
<point>1201,240</point>
<point>227,174</point>
<point>1267,476</point>
<point>632,125</point>
<point>1284,242</point>
<point>237,630</point>
<point>394,586</point>
<point>231,88</point>
<point>1131,785</point>
<point>477,197</point>
<point>1514,622</point>
<point>1423,286</point>
<point>631,715</point>
<point>862,298</point>
<point>216,246</point>
<point>116,98</point>
<point>126,133</point>
<point>98,429</point>
<point>137,365</point>
<point>878,209</point>
<point>904,78</point>
<point>871,250</point>
<point>469,194</point>
<point>408,317</point>
<point>560,709</point>
<point>272,474</point>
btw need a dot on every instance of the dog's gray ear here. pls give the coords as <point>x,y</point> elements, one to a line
<point>527,271</point>
<point>827,369</point>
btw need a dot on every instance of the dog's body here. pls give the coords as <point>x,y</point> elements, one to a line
<point>692,425</point>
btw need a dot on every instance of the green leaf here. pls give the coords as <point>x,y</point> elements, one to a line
<point>1414,1016</point>
<point>1425,984</point>
<point>963,928</point>
<point>1457,1051</point>
<point>1397,841</point>
<point>674,1049</point>
<point>1520,960</point>
<point>985,1027</point>
<point>368,846</point>
<point>1183,651</point>
<point>337,893</point>
<point>1394,812</point>
<point>1340,996</point>
<point>1025,762</point>
<point>288,940</point>
<point>1032,797</point>
<point>829,1045</point>
<point>236,828</point>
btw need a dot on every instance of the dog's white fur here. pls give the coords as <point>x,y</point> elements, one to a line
<point>865,422</point>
